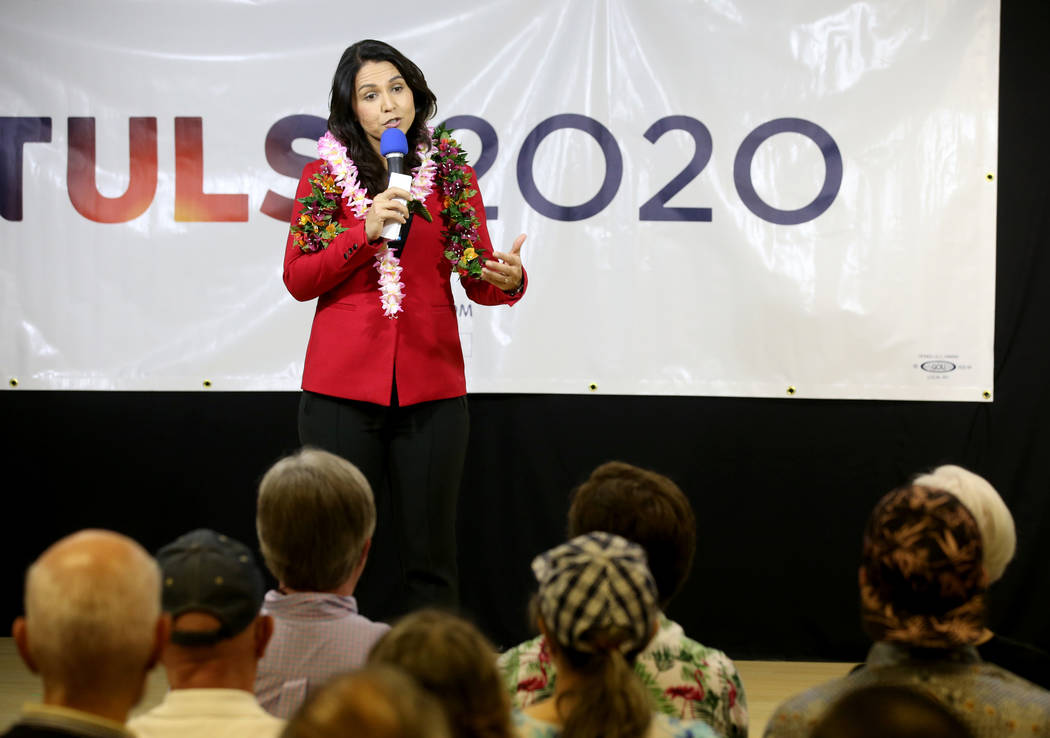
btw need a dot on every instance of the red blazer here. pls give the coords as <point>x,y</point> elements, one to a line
<point>355,350</point>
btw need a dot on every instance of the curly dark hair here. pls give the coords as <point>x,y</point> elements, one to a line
<point>343,123</point>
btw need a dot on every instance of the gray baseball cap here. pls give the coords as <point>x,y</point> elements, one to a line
<point>205,571</point>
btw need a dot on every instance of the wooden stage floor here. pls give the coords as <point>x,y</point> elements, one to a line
<point>767,683</point>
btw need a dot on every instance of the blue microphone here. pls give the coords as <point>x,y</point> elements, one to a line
<point>393,145</point>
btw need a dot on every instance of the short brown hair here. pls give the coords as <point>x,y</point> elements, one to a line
<point>377,701</point>
<point>453,661</point>
<point>315,514</point>
<point>644,507</point>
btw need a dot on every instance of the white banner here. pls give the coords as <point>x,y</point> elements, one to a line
<point>721,198</point>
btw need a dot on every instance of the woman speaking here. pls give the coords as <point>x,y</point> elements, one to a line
<point>383,382</point>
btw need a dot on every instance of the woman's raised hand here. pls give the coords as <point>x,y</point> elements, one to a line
<point>389,206</point>
<point>506,272</point>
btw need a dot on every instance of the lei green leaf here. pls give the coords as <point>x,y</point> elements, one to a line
<point>315,227</point>
<point>462,228</point>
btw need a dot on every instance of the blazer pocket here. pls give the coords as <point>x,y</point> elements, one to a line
<point>354,301</point>
<point>342,306</point>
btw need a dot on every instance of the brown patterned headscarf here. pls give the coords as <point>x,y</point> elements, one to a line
<point>922,581</point>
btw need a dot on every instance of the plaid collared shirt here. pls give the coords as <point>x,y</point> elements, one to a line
<point>316,636</point>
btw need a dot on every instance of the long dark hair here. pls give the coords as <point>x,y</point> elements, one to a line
<point>343,123</point>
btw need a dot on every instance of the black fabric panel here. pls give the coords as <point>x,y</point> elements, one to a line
<point>781,490</point>
<point>781,487</point>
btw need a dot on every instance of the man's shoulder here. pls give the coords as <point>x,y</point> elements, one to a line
<point>997,702</point>
<point>529,649</point>
<point>359,622</point>
<point>796,715</point>
<point>671,633</point>
<point>672,644</point>
<point>358,627</point>
<point>319,610</point>
<point>59,720</point>
<point>997,685</point>
<point>187,711</point>
<point>24,730</point>
<point>343,637</point>
<point>527,672</point>
<point>521,668</point>
<point>996,698</point>
<point>685,677</point>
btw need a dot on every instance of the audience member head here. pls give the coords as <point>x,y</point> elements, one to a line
<point>922,580</point>
<point>92,627</point>
<point>453,661</point>
<point>885,711</point>
<point>315,521</point>
<point>998,536</point>
<point>378,701</point>
<point>645,508</point>
<point>212,590</point>
<point>597,609</point>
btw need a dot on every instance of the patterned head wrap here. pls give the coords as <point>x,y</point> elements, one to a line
<point>596,593</point>
<point>922,582</point>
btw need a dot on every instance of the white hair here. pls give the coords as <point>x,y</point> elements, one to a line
<point>92,603</point>
<point>996,524</point>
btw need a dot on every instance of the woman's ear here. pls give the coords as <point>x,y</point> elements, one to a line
<point>542,627</point>
<point>551,645</point>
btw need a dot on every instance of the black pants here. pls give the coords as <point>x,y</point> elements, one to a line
<point>413,458</point>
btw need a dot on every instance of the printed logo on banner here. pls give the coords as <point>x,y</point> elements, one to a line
<point>940,366</point>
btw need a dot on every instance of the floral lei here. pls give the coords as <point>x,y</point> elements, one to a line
<point>318,223</point>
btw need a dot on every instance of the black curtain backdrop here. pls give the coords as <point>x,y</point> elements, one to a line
<point>781,487</point>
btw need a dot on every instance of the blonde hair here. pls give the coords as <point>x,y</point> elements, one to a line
<point>376,701</point>
<point>315,515</point>
<point>453,661</point>
<point>92,602</point>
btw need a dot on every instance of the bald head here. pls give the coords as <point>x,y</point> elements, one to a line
<point>92,604</point>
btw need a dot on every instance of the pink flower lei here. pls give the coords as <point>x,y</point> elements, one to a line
<point>446,162</point>
<point>342,168</point>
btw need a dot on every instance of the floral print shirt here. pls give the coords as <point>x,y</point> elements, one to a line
<point>662,726</point>
<point>686,679</point>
